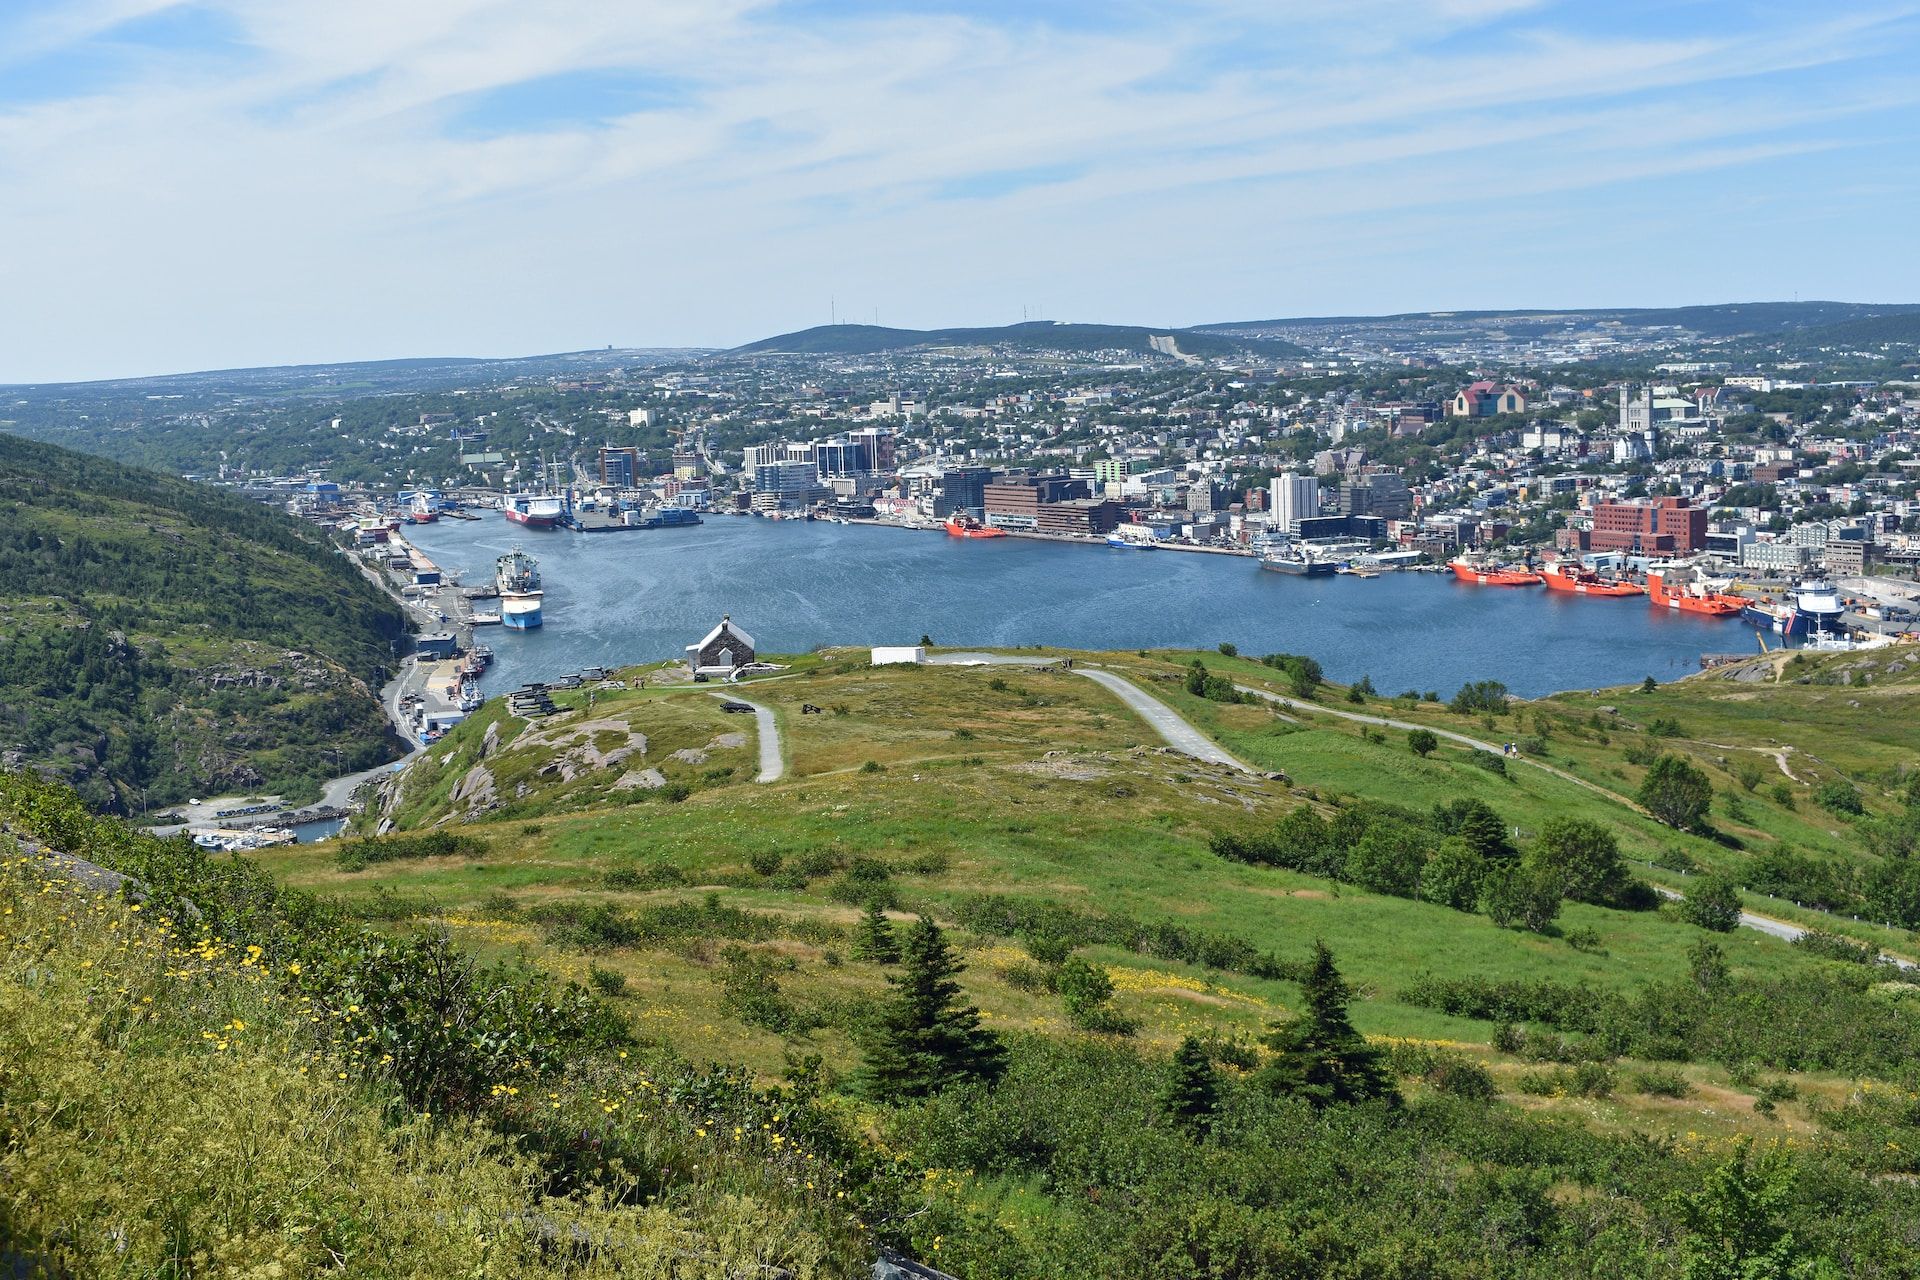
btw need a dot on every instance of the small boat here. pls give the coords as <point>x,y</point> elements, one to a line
<point>485,619</point>
<point>968,527</point>
<point>1488,575</point>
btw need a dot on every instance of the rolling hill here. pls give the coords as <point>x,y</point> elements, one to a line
<point>160,639</point>
<point>1716,320</point>
<point>1032,336</point>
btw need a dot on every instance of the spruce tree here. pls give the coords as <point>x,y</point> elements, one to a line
<point>1192,1095</point>
<point>1318,1055</point>
<point>873,937</point>
<point>925,1037</point>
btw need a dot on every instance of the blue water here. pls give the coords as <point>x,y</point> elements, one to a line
<point>640,596</point>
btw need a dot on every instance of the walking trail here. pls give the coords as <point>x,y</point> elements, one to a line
<point>773,763</point>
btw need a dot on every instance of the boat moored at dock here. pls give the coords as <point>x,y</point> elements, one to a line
<point>1580,581</point>
<point>1492,575</point>
<point>1689,597</point>
<point>1298,561</point>
<point>968,527</point>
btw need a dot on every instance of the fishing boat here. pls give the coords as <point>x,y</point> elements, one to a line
<point>1131,537</point>
<point>1491,575</point>
<point>968,527</point>
<point>1581,581</point>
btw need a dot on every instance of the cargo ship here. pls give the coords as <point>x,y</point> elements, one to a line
<point>1301,563</point>
<point>1492,575</point>
<point>518,576</point>
<point>1811,610</point>
<point>1690,598</point>
<point>1585,582</point>
<point>968,527</point>
<point>422,509</point>
<point>534,510</point>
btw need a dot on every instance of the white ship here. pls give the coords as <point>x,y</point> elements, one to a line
<point>518,576</point>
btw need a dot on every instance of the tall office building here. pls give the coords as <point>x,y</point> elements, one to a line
<point>1294,498</point>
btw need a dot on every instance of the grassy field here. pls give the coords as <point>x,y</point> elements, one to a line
<point>1041,786</point>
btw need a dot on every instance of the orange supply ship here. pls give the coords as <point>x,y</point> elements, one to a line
<point>1491,576</point>
<point>1585,582</point>
<point>1713,605</point>
<point>968,527</point>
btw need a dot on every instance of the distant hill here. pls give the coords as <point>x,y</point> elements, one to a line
<point>1867,331</point>
<point>1718,320</point>
<point>160,639</point>
<point>419,374</point>
<point>1035,335</point>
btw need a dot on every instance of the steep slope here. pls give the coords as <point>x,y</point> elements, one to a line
<point>159,639</point>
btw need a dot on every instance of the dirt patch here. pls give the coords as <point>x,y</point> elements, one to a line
<point>1294,893</point>
<point>1067,770</point>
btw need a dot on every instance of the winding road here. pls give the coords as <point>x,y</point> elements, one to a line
<point>1163,719</point>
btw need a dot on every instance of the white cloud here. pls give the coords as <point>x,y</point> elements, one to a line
<point>307,199</point>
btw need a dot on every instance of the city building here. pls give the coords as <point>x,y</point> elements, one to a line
<point>620,466</point>
<point>1294,498</point>
<point>1664,525</point>
<point>1484,399</point>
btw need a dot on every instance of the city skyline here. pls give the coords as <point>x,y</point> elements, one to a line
<point>235,183</point>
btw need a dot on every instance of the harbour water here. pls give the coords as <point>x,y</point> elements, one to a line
<point>794,585</point>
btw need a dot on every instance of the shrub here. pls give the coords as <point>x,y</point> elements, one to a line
<point>1712,903</point>
<point>656,874</point>
<point>1480,696</point>
<point>358,855</point>
<point>1228,649</point>
<point>1839,798</point>
<point>764,862</point>
<point>1662,1082</point>
<point>1422,742</point>
<point>1782,794</point>
<point>1749,775</point>
<point>608,982</point>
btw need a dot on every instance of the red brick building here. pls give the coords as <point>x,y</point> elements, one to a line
<point>1662,525</point>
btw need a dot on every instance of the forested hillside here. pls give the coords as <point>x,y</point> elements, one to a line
<point>160,639</point>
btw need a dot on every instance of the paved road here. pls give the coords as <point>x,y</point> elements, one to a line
<point>1774,928</point>
<point>1163,719</point>
<point>772,763</point>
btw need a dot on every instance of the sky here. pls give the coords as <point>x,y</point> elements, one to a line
<point>230,183</point>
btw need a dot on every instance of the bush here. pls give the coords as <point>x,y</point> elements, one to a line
<point>608,982</point>
<point>1422,742</point>
<point>358,855</point>
<point>1480,696</point>
<point>1839,798</point>
<point>764,862</point>
<point>1662,1082</point>
<point>1712,903</point>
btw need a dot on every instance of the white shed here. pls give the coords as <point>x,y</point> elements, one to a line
<point>915,655</point>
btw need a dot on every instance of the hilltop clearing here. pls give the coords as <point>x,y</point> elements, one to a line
<point>159,639</point>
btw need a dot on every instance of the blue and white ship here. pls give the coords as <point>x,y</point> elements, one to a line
<point>517,575</point>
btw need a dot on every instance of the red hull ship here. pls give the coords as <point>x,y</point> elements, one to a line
<point>1584,582</point>
<point>968,527</point>
<point>1713,606</point>
<point>1490,576</point>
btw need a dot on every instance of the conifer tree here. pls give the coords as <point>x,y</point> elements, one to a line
<point>1192,1095</point>
<point>1318,1055</point>
<point>925,1037</point>
<point>873,937</point>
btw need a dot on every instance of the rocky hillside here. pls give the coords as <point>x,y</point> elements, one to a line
<point>159,639</point>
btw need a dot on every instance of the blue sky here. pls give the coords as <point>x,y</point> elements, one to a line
<point>232,182</point>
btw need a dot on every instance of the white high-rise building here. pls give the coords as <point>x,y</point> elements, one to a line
<point>1291,499</point>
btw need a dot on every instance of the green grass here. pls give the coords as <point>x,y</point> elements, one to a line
<point>1106,823</point>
